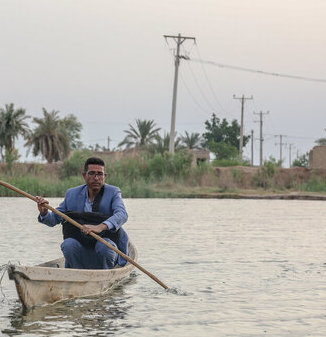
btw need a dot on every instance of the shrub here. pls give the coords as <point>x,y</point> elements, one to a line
<point>127,170</point>
<point>157,166</point>
<point>302,161</point>
<point>265,174</point>
<point>229,162</point>
<point>73,165</point>
<point>202,174</point>
<point>314,184</point>
<point>172,165</point>
<point>178,164</point>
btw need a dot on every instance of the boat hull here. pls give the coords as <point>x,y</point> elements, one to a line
<point>50,282</point>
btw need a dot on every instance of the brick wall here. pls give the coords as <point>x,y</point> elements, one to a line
<point>317,157</point>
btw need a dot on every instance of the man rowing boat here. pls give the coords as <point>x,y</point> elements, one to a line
<point>100,209</point>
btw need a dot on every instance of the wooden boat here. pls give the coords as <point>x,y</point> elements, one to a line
<point>50,282</point>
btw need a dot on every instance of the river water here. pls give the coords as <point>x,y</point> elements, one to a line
<point>234,268</point>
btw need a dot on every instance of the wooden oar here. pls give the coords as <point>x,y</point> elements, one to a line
<point>97,237</point>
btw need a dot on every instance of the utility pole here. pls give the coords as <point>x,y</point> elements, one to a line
<point>281,145</point>
<point>109,139</point>
<point>261,136</point>
<point>179,40</point>
<point>242,99</point>
<point>252,148</point>
<point>290,155</point>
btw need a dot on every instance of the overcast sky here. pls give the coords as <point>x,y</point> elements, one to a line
<point>107,63</point>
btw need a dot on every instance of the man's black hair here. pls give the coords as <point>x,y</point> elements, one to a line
<point>94,161</point>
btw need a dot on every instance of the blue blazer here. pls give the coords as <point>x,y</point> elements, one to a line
<point>111,203</point>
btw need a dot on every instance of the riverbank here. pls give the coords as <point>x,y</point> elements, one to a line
<point>266,196</point>
<point>137,180</point>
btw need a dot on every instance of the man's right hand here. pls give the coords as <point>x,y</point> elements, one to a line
<point>40,205</point>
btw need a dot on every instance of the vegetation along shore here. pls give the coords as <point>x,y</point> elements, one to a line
<point>144,166</point>
<point>167,176</point>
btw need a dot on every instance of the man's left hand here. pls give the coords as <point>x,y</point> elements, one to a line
<point>94,228</point>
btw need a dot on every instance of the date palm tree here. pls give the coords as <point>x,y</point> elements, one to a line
<point>140,136</point>
<point>12,124</point>
<point>161,144</point>
<point>49,138</point>
<point>191,141</point>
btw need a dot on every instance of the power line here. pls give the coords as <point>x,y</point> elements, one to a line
<point>296,137</point>
<point>190,93</point>
<point>200,88</point>
<point>263,72</point>
<point>207,79</point>
<point>192,96</point>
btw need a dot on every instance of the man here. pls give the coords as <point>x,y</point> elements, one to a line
<point>99,207</point>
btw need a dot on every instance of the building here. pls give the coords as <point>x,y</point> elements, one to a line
<point>317,157</point>
<point>200,156</point>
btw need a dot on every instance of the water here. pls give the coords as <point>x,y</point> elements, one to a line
<point>234,268</point>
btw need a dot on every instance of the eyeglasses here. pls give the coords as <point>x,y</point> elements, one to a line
<point>94,174</point>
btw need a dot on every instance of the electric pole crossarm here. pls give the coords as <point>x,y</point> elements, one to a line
<point>182,37</point>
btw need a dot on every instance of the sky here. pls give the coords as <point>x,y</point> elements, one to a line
<point>108,63</point>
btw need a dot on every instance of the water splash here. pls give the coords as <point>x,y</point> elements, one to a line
<point>3,270</point>
<point>178,292</point>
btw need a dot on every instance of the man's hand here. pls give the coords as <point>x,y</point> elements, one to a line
<point>40,205</point>
<point>94,228</point>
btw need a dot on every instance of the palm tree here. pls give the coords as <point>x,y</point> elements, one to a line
<point>12,124</point>
<point>140,136</point>
<point>49,138</point>
<point>72,127</point>
<point>191,141</point>
<point>161,144</point>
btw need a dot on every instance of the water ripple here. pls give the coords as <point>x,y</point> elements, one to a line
<point>234,267</point>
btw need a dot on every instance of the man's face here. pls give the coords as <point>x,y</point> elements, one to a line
<point>94,177</point>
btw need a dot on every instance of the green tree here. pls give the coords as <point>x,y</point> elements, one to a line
<point>50,137</point>
<point>140,136</point>
<point>73,128</point>
<point>321,141</point>
<point>191,141</point>
<point>302,161</point>
<point>12,124</point>
<point>223,150</point>
<point>218,131</point>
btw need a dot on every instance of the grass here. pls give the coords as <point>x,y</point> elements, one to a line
<point>161,176</point>
<point>314,184</point>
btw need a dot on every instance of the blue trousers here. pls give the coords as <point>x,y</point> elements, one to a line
<point>79,257</point>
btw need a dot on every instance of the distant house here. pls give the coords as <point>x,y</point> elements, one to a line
<point>317,157</point>
<point>117,155</point>
<point>200,156</point>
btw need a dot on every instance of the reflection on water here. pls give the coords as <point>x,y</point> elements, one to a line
<point>90,316</point>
